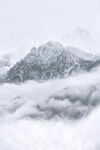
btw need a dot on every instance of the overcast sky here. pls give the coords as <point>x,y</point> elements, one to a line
<point>27,23</point>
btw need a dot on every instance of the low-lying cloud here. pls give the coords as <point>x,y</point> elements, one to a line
<point>25,110</point>
<point>64,98</point>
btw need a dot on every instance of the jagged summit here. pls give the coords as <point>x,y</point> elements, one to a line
<point>45,52</point>
<point>52,44</point>
<point>50,49</point>
<point>49,61</point>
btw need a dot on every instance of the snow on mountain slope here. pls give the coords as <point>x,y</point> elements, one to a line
<point>80,53</point>
<point>49,61</point>
<point>45,52</point>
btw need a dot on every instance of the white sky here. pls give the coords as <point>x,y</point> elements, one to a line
<point>27,23</point>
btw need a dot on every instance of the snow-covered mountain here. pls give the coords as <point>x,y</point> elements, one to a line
<point>49,61</point>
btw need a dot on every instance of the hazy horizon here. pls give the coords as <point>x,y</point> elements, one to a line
<point>28,23</point>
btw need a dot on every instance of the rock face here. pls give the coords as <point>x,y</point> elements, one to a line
<point>49,61</point>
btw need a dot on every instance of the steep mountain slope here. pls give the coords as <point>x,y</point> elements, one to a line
<point>88,61</point>
<point>80,53</point>
<point>49,61</point>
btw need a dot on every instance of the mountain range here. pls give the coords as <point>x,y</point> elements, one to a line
<point>49,61</point>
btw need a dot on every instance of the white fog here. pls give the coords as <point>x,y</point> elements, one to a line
<point>49,75</point>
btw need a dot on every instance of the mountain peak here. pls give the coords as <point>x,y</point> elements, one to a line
<point>52,43</point>
<point>49,61</point>
<point>50,48</point>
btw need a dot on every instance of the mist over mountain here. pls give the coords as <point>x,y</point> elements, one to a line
<point>67,102</point>
<point>50,61</point>
<point>50,75</point>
